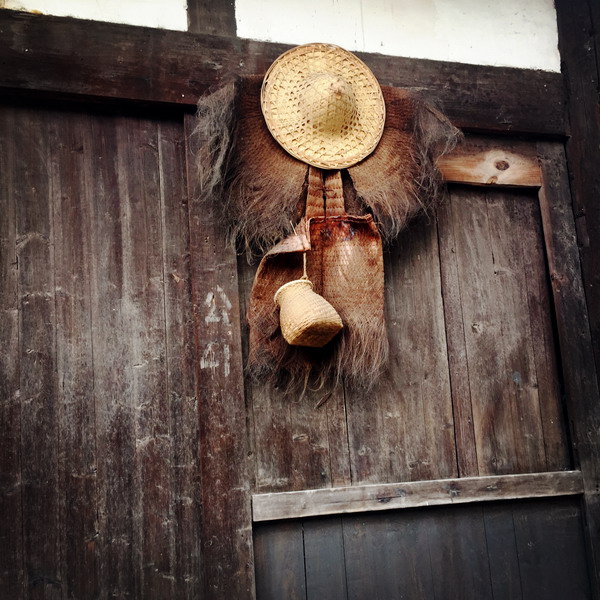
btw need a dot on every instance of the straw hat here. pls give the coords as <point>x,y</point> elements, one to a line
<point>323,105</point>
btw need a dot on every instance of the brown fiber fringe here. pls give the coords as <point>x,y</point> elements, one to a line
<point>261,193</point>
<point>261,189</point>
<point>345,264</point>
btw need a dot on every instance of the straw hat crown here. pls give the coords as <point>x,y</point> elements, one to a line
<point>323,105</point>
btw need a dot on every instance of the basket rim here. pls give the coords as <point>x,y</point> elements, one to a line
<point>290,284</point>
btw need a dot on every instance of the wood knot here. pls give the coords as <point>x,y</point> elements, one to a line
<point>502,165</point>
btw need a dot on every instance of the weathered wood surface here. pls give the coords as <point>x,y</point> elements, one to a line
<point>403,430</point>
<point>578,26</point>
<point>180,363</point>
<point>473,385</point>
<point>102,60</point>
<point>324,559</point>
<point>501,348</point>
<point>12,573</point>
<point>215,17</point>
<point>299,441</point>
<point>39,392</point>
<point>581,384</point>
<point>104,415</point>
<point>224,446</point>
<point>411,494</point>
<point>284,547</point>
<point>492,161</point>
<point>70,181</point>
<point>530,549</point>
<point>130,424</point>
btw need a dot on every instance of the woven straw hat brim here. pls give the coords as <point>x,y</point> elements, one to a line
<point>282,96</point>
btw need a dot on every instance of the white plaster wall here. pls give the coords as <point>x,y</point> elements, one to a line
<point>167,14</point>
<point>513,33</point>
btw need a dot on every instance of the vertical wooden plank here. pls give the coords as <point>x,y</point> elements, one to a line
<point>324,559</point>
<point>72,223</point>
<point>36,174</point>
<point>142,305</point>
<point>12,577</point>
<point>112,362</point>
<point>457,550</point>
<point>578,24</point>
<point>279,554</point>
<point>184,426</point>
<point>419,362</point>
<point>224,440</point>
<point>403,430</point>
<point>551,550</point>
<point>337,431</point>
<point>387,556</point>
<point>502,551</point>
<point>535,281</point>
<point>582,396</point>
<point>469,227</point>
<point>456,337</point>
<point>492,244</point>
<point>215,17</point>
<point>299,440</point>
<point>519,376</point>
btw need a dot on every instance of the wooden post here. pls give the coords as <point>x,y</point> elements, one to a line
<point>583,399</point>
<point>224,449</point>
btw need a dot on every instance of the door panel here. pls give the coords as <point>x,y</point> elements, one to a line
<point>530,549</point>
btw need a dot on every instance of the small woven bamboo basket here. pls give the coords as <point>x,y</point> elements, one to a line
<point>306,318</point>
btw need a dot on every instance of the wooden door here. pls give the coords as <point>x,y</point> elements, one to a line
<point>137,460</point>
<point>471,413</point>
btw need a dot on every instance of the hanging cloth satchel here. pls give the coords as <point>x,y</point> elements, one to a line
<point>344,261</point>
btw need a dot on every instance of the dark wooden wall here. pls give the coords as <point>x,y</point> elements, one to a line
<point>499,551</point>
<point>100,469</point>
<point>132,444</point>
<point>473,386</point>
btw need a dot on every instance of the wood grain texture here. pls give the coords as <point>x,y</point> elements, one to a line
<point>410,494</point>
<point>115,418</point>
<point>403,430</point>
<point>387,557</point>
<point>224,438</point>
<point>215,17</point>
<point>557,569</point>
<point>581,384</point>
<point>492,161</point>
<point>35,170</point>
<point>143,310</point>
<point>458,540</point>
<point>529,549</point>
<point>300,441</point>
<point>74,354</point>
<point>280,567</point>
<point>324,559</point>
<point>495,283</point>
<point>174,67</point>
<point>12,575</point>
<point>180,362</point>
<point>100,314</point>
<point>578,24</point>
<point>505,577</point>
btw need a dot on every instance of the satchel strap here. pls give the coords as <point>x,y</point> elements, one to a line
<point>325,195</point>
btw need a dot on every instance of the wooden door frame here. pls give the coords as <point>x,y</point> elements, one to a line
<point>82,61</point>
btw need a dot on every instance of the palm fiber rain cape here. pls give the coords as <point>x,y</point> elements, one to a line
<point>274,203</point>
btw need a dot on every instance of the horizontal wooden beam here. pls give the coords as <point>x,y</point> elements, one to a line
<point>487,161</point>
<point>87,59</point>
<point>365,498</point>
